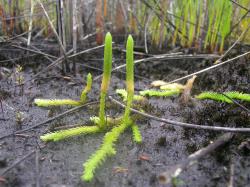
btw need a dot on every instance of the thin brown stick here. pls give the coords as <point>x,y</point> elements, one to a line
<point>60,59</point>
<point>232,46</point>
<point>173,172</point>
<point>209,68</point>
<point>172,56</point>
<point>75,27</point>
<point>17,162</point>
<point>62,45</point>
<point>185,125</point>
<point>37,168</point>
<point>34,51</point>
<point>52,27</point>
<point>231,178</point>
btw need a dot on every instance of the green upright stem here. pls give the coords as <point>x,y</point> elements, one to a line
<point>129,76</point>
<point>107,67</point>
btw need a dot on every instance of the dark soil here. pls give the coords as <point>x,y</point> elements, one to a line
<point>60,163</point>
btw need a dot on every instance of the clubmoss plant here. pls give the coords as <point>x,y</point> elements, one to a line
<point>107,147</point>
<point>222,98</point>
<point>101,124</point>
<point>60,102</point>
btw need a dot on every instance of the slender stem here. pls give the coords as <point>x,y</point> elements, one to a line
<point>106,77</point>
<point>129,76</point>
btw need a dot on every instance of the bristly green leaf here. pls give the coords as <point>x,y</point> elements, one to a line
<point>214,96</point>
<point>63,134</point>
<point>106,149</point>
<point>222,98</point>
<point>238,95</point>
<point>156,93</point>
<point>136,133</point>
<point>56,102</point>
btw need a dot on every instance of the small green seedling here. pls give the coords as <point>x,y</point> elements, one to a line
<point>102,123</point>
<point>60,102</point>
<point>222,98</point>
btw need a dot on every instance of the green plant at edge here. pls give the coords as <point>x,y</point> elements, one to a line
<point>59,102</point>
<point>222,98</point>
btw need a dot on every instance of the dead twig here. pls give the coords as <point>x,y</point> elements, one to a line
<point>185,125</point>
<point>171,56</point>
<point>17,162</point>
<point>232,46</point>
<point>235,102</point>
<point>34,51</point>
<point>231,178</point>
<point>167,176</point>
<point>209,68</point>
<point>56,35</point>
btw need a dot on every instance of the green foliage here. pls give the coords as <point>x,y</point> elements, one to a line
<point>56,102</point>
<point>157,93</point>
<point>225,23</point>
<point>107,67</point>
<point>124,94</point>
<point>117,125</point>
<point>106,149</point>
<point>63,134</point>
<point>219,19</point>
<point>222,98</point>
<point>136,133</point>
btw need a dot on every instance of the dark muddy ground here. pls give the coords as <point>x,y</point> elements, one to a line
<point>60,163</point>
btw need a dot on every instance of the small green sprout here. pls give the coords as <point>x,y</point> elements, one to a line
<point>136,133</point>
<point>60,102</point>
